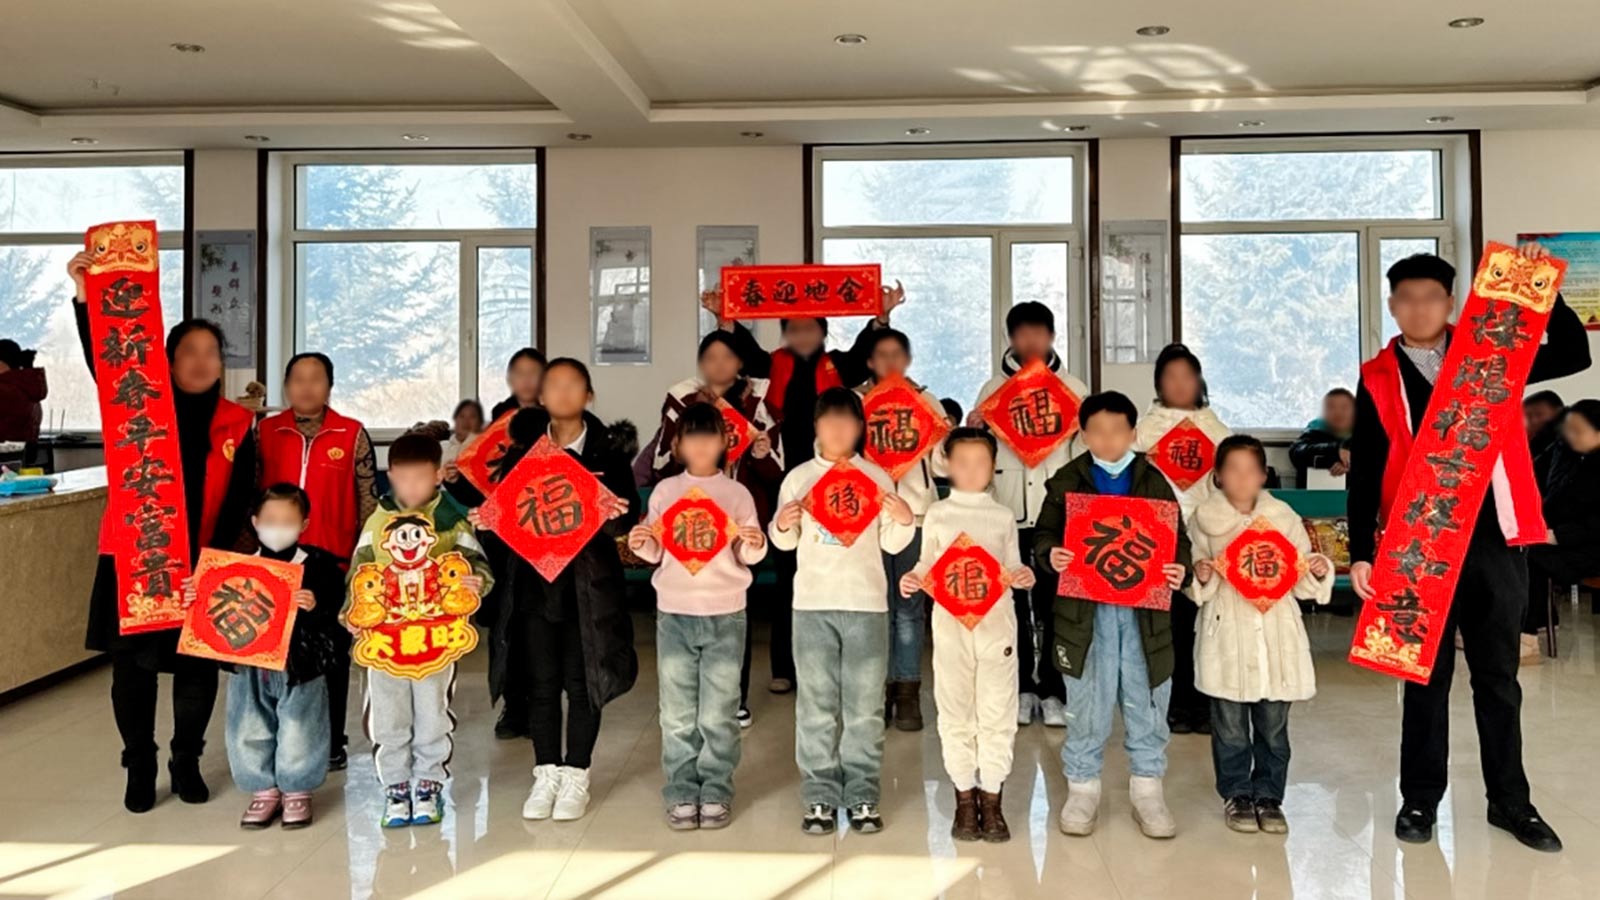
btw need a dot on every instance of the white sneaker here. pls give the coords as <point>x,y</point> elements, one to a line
<point>542,798</point>
<point>1054,712</point>
<point>1150,807</point>
<point>1081,809</point>
<point>572,801</point>
<point>1026,704</point>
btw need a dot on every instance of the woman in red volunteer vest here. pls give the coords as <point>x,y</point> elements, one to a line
<point>218,452</point>
<point>330,457</point>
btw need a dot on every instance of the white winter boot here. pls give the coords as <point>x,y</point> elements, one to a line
<point>573,800</point>
<point>542,798</point>
<point>1081,809</point>
<point>1150,807</point>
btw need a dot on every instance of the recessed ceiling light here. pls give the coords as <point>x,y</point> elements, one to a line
<point>849,40</point>
<point>1466,22</point>
<point>257,138</point>
<point>752,134</point>
<point>1251,123</point>
<point>916,132</point>
<point>1440,120</point>
<point>1152,31</point>
<point>188,48</point>
<point>85,141</point>
<point>579,136</point>
<point>418,138</point>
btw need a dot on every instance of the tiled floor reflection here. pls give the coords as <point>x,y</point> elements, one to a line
<point>63,832</point>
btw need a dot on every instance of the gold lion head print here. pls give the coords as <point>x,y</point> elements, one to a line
<point>123,247</point>
<point>1509,276</point>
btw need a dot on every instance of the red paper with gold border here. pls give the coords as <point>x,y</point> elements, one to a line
<point>810,291</point>
<point>1185,454</point>
<point>1033,412</point>
<point>547,508</point>
<point>741,434</point>
<point>967,581</point>
<point>844,501</point>
<point>694,529</point>
<point>146,523</point>
<point>1472,420</point>
<point>902,427</point>
<point>1119,545</point>
<point>479,461</point>
<point>412,618</point>
<point>1262,564</point>
<point>243,611</point>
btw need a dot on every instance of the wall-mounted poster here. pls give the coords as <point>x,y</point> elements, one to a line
<point>721,246</point>
<point>1581,288</point>
<point>619,291</point>
<point>225,290</point>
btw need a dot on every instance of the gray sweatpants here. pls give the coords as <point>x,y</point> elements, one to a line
<point>410,725</point>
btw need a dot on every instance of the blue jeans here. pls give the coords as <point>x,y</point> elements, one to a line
<point>908,616</point>
<point>1114,674</point>
<point>840,660</point>
<point>697,665</point>
<point>277,735</point>
<point>1250,764</point>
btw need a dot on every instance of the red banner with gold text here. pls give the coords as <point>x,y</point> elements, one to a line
<point>810,292</point>
<point>966,580</point>
<point>1033,412</point>
<point>902,425</point>
<point>480,460</point>
<point>548,507</point>
<point>243,611</point>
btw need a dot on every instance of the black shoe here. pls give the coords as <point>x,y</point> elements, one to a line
<point>1202,725</point>
<point>509,728</point>
<point>1414,825</point>
<point>865,818</point>
<point>338,760</point>
<point>186,780</point>
<point>820,818</point>
<point>1526,826</point>
<point>1179,725</point>
<point>1269,815</point>
<point>1239,814</point>
<point>140,796</point>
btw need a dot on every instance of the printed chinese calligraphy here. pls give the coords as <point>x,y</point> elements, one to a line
<point>482,461</point>
<point>1119,545</point>
<point>1033,412</point>
<point>782,292</point>
<point>1262,564</point>
<point>740,433</point>
<point>244,610</point>
<point>902,426</point>
<point>966,580</point>
<point>695,529</point>
<point>411,611</point>
<point>548,507</point>
<point>1185,454</point>
<point>844,502</point>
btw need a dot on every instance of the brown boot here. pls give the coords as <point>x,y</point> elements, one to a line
<point>995,829</point>
<point>908,705</point>
<point>966,827</point>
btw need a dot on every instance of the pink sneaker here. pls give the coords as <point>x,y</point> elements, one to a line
<point>297,810</point>
<point>264,807</point>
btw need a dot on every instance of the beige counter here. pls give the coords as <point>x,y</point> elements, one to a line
<point>47,561</point>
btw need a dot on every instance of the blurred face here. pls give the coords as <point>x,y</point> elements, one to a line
<point>197,362</point>
<point>1339,412</point>
<point>1032,342</point>
<point>1537,415</point>
<point>804,336</point>
<point>971,466</point>
<point>523,378</point>
<point>468,421</point>
<point>1180,386</point>
<point>564,393</point>
<point>278,523</point>
<point>1241,477</point>
<point>1579,434</point>
<point>837,434</point>
<point>701,454</point>
<point>719,366</point>
<point>1421,308</point>
<point>888,358</point>
<point>307,387</point>
<point>1108,435</point>
<point>414,483</point>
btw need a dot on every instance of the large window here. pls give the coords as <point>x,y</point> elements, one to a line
<point>46,204</point>
<point>1283,249</point>
<point>414,273</point>
<point>969,230</point>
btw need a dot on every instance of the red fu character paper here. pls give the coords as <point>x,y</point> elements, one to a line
<point>1472,425</point>
<point>1033,412</point>
<point>844,501</point>
<point>145,528</point>
<point>967,581</point>
<point>902,426</point>
<point>1185,454</point>
<point>1119,545</point>
<point>481,462</point>
<point>1262,564</point>
<point>813,292</point>
<point>243,611</point>
<point>695,529</point>
<point>739,432</point>
<point>409,607</point>
<point>548,507</point>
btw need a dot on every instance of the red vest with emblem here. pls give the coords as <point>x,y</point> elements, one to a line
<point>324,465</point>
<point>783,369</point>
<point>230,424</point>
<point>1513,479</point>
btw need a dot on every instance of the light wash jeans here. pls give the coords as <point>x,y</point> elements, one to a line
<point>277,735</point>
<point>411,726</point>
<point>697,665</point>
<point>841,663</point>
<point>1114,675</point>
<point>908,616</point>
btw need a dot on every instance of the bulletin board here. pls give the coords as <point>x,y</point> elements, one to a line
<point>224,290</point>
<point>1581,287</point>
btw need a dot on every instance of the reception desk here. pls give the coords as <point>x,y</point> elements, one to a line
<point>47,562</point>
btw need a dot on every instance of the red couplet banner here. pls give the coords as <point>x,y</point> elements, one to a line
<point>1473,423</point>
<point>902,425</point>
<point>146,527</point>
<point>1119,545</point>
<point>480,461</point>
<point>967,581</point>
<point>1033,412</point>
<point>548,507</point>
<point>244,610</point>
<point>813,292</point>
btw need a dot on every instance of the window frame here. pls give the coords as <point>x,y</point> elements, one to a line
<point>287,165</point>
<point>1001,236</point>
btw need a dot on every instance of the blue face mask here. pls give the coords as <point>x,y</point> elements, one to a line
<point>1114,469</point>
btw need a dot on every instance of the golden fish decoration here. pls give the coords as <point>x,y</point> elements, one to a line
<point>1509,276</point>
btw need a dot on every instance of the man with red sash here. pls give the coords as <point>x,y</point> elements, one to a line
<point>1490,597</point>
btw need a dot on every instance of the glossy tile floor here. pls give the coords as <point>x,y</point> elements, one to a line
<point>63,832</point>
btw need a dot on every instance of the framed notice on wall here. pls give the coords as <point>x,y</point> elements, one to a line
<point>1581,287</point>
<point>224,290</point>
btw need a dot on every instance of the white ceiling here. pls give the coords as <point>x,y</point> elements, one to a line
<point>687,72</point>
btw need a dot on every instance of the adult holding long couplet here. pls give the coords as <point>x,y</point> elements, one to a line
<point>1459,570</point>
<point>214,466</point>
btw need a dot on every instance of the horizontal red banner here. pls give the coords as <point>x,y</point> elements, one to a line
<point>812,292</point>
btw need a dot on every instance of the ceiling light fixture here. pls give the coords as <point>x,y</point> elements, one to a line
<point>1466,22</point>
<point>1251,123</point>
<point>257,138</point>
<point>752,135</point>
<point>188,48</point>
<point>417,138</point>
<point>849,40</point>
<point>917,132</point>
<point>1440,120</point>
<point>1152,31</point>
<point>85,141</point>
<point>579,136</point>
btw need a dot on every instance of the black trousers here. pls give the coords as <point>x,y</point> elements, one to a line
<point>783,563</point>
<point>1188,704</point>
<point>552,656</point>
<point>1488,608</point>
<point>1036,614</point>
<point>133,703</point>
<point>1561,565</point>
<point>338,680</point>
